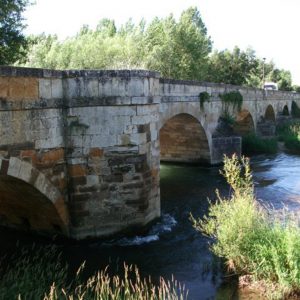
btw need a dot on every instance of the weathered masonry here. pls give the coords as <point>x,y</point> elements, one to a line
<point>80,151</point>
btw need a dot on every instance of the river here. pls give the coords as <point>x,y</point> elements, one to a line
<point>172,246</point>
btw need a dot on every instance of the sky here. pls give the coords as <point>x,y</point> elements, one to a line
<point>270,27</point>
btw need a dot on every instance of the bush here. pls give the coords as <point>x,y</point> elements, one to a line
<point>42,275</point>
<point>252,144</point>
<point>248,239</point>
<point>290,135</point>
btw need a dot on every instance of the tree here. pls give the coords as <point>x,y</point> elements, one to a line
<point>12,42</point>
<point>236,67</point>
<point>178,49</point>
<point>283,79</point>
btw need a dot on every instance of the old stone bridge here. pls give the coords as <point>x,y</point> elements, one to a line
<point>80,151</point>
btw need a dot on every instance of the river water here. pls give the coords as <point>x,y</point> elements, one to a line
<point>172,246</point>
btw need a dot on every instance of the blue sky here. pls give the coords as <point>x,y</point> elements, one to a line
<point>271,27</point>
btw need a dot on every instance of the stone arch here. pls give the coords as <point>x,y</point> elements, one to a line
<point>183,139</point>
<point>29,200</point>
<point>270,114</point>
<point>295,110</point>
<point>244,123</point>
<point>285,110</point>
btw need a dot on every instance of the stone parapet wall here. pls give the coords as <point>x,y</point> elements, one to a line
<point>175,90</point>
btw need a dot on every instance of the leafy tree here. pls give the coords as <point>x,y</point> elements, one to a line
<point>13,44</point>
<point>178,49</point>
<point>296,88</point>
<point>236,67</point>
<point>283,79</point>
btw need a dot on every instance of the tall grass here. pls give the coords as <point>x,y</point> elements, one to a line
<point>39,273</point>
<point>290,135</point>
<point>252,144</point>
<point>250,242</point>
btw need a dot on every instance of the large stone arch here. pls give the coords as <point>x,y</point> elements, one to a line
<point>244,123</point>
<point>29,200</point>
<point>183,139</point>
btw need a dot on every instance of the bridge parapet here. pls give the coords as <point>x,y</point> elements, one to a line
<point>174,90</point>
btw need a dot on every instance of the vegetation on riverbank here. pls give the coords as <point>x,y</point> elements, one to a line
<point>253,144</point>
<point>43,275</point>
<point>250,241</point>
<point>290,134</point>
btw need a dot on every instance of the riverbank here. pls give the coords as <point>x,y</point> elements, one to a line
<point>260,247</point>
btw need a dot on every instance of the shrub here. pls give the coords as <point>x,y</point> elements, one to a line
<point>295,110</point>
<point>248,239</point>
<point>290,135</point>
<point>252,144</point>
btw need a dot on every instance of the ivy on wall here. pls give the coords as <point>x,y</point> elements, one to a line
<point>231,101</point>
<point>203,97</point>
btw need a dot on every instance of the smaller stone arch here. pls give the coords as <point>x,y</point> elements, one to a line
<point>29,199</point>
<point>183,139</point>
<point>270,114</point>
<point>285,111</point>
<point>266,126</point>
<point>244,123</point>
<point>295,110</point>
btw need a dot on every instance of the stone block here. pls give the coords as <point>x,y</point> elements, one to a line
<point>57,88</point>
<point>16,88</point>
<point>143,110</point>
<point>25,173</point>
<point>138,138</point>
<point>96,152</point>
<point>92,180</point>
<point>4,87</point>
<point>92,88</point>
<point>52,156</point>
<point>45,88</point>
<point>72,88</point>
<point>14,167</point>
<point>136,87</point>
<point>77,170</point>
<point>31,90</point>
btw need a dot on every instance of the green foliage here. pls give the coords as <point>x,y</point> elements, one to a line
<point>282,77</point>
<point>290,135</point>
<point>177,49</point>
<point>203,97</point>
<point>296,88</point>
<point>295,110</point>
<point>253,144</point>
<point>231,102</point>
<point>250,242</point>
<point>38,273</point>
<point>12,42</point>
<point>234,67</point>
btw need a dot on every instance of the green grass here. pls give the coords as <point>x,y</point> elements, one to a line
<point>290,135</point>
<point>250,242</point>
<point>252,144</point>
<point>39,273</point>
